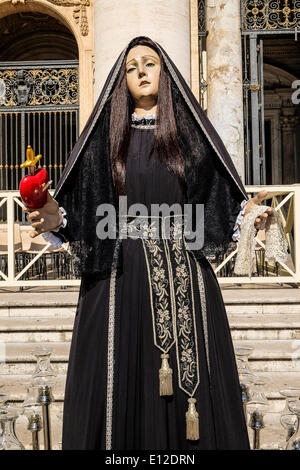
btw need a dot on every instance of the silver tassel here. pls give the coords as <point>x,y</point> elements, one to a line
<point>192,421</point>
<point>165,377</point>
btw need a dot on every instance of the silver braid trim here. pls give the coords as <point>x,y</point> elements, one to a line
<point>110,352</point>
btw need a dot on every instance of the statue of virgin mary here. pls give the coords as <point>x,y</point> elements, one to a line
<point>151,363</point>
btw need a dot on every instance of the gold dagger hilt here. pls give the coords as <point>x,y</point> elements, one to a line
<point>31,160</point>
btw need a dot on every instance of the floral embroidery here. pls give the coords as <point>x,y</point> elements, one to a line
<point>186,333</point>
<point>171,293</point>
<point>159,291</point>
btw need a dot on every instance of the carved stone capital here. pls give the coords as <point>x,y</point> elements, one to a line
<point>79,12</point>
<point>288,123</point>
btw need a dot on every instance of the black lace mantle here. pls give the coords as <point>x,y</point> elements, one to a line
<point>86,181</point>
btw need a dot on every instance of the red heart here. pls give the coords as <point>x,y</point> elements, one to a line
<point>32,183</point>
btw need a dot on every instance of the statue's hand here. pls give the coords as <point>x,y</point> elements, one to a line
<point>46,218</point>
<point>257,200</point>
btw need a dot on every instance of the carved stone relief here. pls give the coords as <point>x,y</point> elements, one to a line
<point>79,11</point>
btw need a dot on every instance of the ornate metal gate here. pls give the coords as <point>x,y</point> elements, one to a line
<point>260,18</point>
<point>39,106</point>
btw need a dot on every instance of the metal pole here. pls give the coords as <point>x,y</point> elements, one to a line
<point>35,425</point>
<point>45,398</point>
<point>256,423</point>
<point>262,114</point>
<point>47,427</point>
<point>256,439</point>
<point>254,87</point>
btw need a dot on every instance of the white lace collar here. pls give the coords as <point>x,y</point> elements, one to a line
<point>144,121</point>
<point>136,117</point>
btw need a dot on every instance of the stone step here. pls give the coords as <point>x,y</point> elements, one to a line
<point>260,366</point>
<point>35,329</point>
<point>282,350</point>
<point>22,352</point>
<point>265,309</point>
<point>268,355</point>
<point>276,381</point>
<point>38,311</point>
<point>258,321</point>
<point>266,319</point>
<point>276,366</point>
<point>17,358</point>
<point>41,304</point>
<point>65,310</point>
<point>17,368</point>
<point>273,355</point>
<point>264,334</point>
<point>42,298</point>
<point>243,327</point>
<point>18,324</point>
<point>271,436</point>
<point>262,327</point>
<point>237,295</point>
<point>248,295</point>
<point>63,303</point>
<point>15,385</point>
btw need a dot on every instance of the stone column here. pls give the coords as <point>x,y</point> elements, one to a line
<point>224,76</point>
<point>288,138</point>
<point>117,22</point>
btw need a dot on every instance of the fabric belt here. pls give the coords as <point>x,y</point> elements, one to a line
<point>147,227</point>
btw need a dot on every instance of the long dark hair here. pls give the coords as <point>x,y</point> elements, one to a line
<point>165,141</point>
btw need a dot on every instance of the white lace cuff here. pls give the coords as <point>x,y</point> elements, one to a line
<point>276,246</point>
<point>64,222</point>
<point>50,237</point>
<point>236,233</point>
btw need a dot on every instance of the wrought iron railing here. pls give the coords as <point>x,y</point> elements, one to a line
<point>26,262</point>
<point>32,84</point>
<point>23,266</point>
<point>270,16</point>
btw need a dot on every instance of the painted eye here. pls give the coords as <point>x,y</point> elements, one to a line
<point>129,70</point>
<point>150,63</point>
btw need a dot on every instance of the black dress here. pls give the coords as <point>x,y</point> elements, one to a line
<point>112,398</point>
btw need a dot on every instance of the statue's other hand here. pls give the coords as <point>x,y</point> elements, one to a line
<point>257,200</point>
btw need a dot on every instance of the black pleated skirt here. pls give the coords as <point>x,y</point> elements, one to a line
<point>139,418</point>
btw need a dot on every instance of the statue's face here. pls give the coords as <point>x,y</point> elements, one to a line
<point>143,65</point>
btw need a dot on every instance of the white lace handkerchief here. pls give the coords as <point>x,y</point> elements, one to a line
<point>275,246</point>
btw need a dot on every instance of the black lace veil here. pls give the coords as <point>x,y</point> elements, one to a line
<point>86,181</point>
